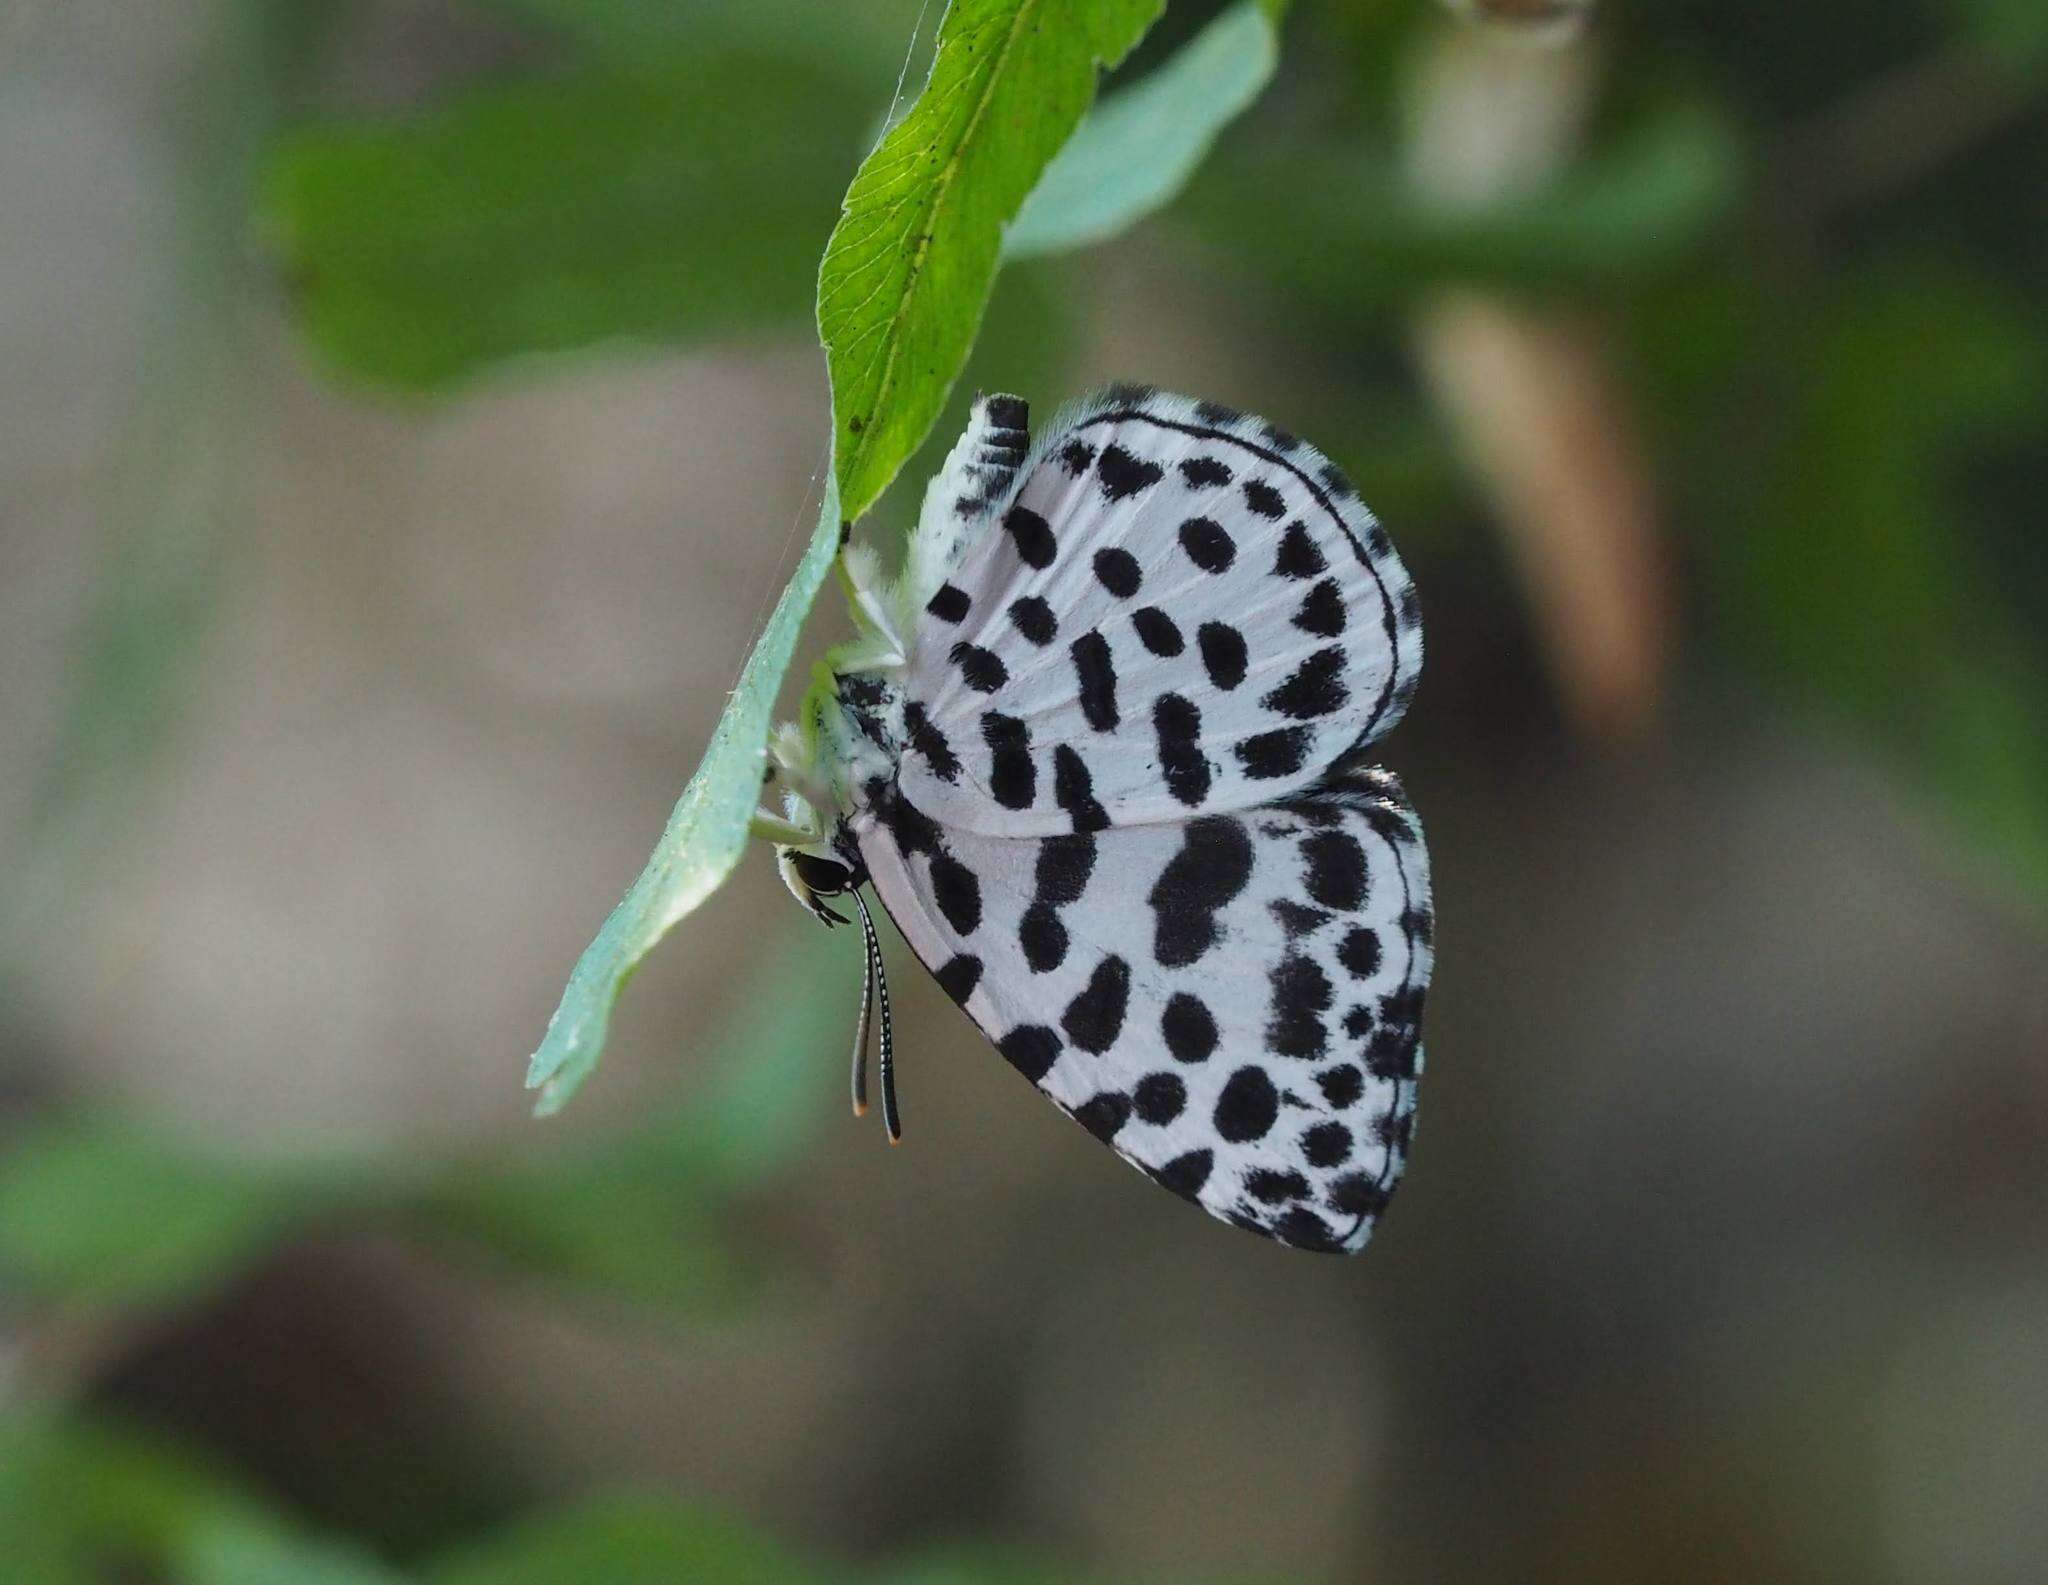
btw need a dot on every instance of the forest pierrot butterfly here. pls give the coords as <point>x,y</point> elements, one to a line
<point>1099,750</point>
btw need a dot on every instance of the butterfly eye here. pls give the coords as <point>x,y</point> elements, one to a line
<point>823,877</point>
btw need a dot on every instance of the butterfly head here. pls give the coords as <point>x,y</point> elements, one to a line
<point>814,874</point>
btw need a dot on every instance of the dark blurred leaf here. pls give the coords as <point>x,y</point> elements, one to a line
<point>908,268</point>
<point>683,202</point>
<point>1858,570</point>
<point>101,1214</point>
<point>624,1540</point>
<point>866,38</point>
<point>1139,146</point>
<point>2015,29</point>
<point>1352,231</point>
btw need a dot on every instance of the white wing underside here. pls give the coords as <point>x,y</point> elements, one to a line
<point>1195,605</point>
<point>1233,1003</point>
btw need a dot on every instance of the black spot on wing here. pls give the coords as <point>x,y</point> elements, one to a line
<point>1359,952</point>
<point>1315,688</point>
<point>1007,413</point>
<point>1266,755</point>
<point>1064,865</point>
<point>1301,995</point>
<point>1156,630</point>
<point>1297,919</point>
<point>1341,1086</point>
<point>1326,1145</point>
<point>928,741</point>
<point>1188,1028</point>
<point>1178,726</point>
<point>1123,474</point>
<point>1207,545</point>
<point>1271,1187</point>
<point>1033,618</point>
<point>1392,1052</point>
<point>1043,938</point>
<point>957,893</point>
<point>1073,789</point>
<point>1205,473</point>
<point>1031,1049</point>
<point>1223,653</point>
<point>1335,482</point>
<point>1279,439</point>
<point>1159,1098</point>
<point>1096,673</point>
<point>950,604</point>
<point>1219,415</point>
<point>1336,875</point>
<point>1075,456</point>
<point>1035,544</point>
<point>1013,774</point>
<point>1095,1017</point>
<point>981,669</point>
<point>912,830</point>
<point>1300,1228</point>
<point>1247,1107</point>
<point>1103,1114</point>
<point>1116,569</point>
<point>958,976</point>
<point>1322,610</point>
<point>1213,865</point>
<point>1263,499</point>
<point>1298,555</point>
<point>1358,1194</point>
<point>1185,1174</point>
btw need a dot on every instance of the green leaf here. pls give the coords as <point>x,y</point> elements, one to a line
<point>104,1215</point>
<point>80,1499</point>
<point>706,834</point>
<point>682,202</point>
<point>1138,148</point>
<point>242,1549</point>
<point>907,271</point>
<point>624,1540</point>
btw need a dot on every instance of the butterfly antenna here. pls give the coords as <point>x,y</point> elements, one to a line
<point>860,1030</point>
<point>892,1120</point>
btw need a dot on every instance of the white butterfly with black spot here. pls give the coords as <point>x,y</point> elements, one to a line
<point>1099,750</point>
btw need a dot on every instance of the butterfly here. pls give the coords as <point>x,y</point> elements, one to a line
<point>1099,749</point>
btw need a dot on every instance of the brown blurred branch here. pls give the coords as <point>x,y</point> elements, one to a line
<point>1543,417</point>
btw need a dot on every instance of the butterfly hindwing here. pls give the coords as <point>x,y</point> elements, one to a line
<point>1232,1001</point>
<point>1176,610</point>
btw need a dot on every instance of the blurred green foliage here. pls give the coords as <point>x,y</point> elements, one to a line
<point>678,200</point>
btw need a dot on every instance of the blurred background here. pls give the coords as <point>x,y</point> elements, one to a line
<point>410,411</point>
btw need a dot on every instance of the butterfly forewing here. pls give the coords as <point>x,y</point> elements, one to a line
<point>1232,1001</point>
<point>1178,610</point>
